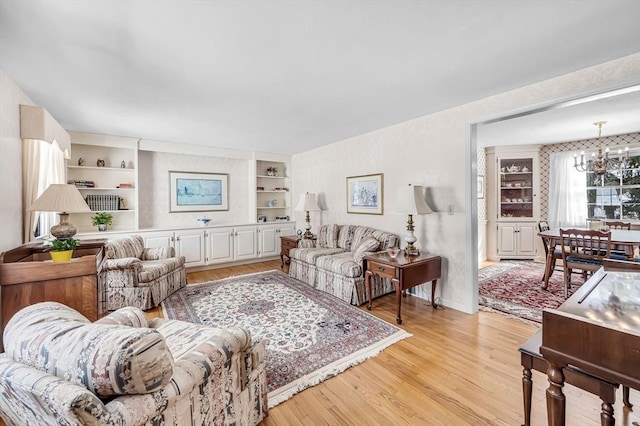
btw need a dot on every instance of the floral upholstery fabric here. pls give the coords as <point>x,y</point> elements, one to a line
<point>218,379</point>
<point>139,276</point>
<point>58,340</point>
<point>340,271</point>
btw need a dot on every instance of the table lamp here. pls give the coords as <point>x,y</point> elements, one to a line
<point>307,203</point>
<point>410,201</point>
<point>63,199</point>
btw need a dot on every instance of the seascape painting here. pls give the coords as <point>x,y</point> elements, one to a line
<point>190,192</point>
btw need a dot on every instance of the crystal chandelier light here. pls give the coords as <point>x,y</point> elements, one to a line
<point>599,163</point>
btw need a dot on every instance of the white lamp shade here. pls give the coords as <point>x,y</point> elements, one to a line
<point>61,198</point>
<point>410,200</point>
<point>307,203</point>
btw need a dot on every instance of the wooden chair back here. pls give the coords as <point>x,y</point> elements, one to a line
<point>618,225</point>
<point>544,226</point>
<point>585,248</point>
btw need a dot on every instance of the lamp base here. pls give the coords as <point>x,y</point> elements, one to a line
<point>64,229</point>
<point>411,250</point>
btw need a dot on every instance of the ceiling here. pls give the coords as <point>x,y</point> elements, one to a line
<point>289,76</point>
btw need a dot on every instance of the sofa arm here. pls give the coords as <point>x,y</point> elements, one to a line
<point>30,396</point>
<point>130,316</point>
<point>131,263</point>
<point>157,253</point>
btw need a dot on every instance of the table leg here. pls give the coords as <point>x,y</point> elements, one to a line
<point>556,401</point>
<point>434,283</point>
<point>606,416</point>
<point>548,266</point>
<point>281,260</point>
<point>398,298</point>
<point>527,390</point>
<point>367,282</point>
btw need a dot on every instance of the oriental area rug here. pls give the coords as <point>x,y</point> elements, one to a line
<point>514,288</point>
<point>310,336</point>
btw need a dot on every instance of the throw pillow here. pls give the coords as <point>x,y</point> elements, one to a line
<point>106,359</point>
<point>367,245</point>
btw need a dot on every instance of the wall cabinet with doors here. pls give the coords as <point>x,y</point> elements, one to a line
<point>513,202</point>
<point>272,191</point>
<point>269,238</point>
<point>517,239</point>
<point>189,243</point>
<point>104,169</point>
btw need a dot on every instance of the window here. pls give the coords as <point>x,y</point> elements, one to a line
<point>616,194</point>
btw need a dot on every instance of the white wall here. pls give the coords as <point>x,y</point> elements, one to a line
<point>153,189</point>
<point>434,151</point>
<point>10,162</point>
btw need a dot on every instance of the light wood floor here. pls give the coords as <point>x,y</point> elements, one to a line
<point>457,369</point>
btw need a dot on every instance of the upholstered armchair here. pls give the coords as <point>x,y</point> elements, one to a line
<point>139,276</point>
<point>61,369</point>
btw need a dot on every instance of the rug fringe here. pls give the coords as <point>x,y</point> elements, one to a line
<point>286,392</point>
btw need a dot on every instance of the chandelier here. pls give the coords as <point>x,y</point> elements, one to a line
<point>599,163</point>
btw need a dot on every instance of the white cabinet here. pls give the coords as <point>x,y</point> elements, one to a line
<point>512,201</point>
<point>189,243</point>
<point>104,169</point>
<point>269,238</point>
<point>517,240</point>
<point>245,243</point>
<point>219,245</point>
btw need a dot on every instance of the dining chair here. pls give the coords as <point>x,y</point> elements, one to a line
<point>618,251</point>
<point>583,249</point>
<point>557,253</point>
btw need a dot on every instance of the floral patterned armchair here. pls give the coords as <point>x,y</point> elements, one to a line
<point>139,276</point>
<point>61,369</point>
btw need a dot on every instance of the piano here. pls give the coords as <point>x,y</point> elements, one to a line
<point>596,330</point>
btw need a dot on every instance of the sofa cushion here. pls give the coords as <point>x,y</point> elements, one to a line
<point>342,264</point>
<point>106,359</point>
<point>310,255</point>
<point>328,236</point>
<point>368,245</point>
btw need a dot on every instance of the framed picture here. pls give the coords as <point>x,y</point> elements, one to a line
<point>365,194</point>
<point>197,192</point>
<point>480,186</point>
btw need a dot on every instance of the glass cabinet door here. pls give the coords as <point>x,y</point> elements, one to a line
<point>515,197</point>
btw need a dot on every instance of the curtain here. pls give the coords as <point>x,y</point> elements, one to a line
<point>567,192</point>
<point>42,165</point>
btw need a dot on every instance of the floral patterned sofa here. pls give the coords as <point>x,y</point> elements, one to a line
<point>60,369</point>
<point>333,262</point>
<point>139,276</point>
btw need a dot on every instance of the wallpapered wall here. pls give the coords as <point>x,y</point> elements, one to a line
<point>589,145</point>
<point>153,189</point>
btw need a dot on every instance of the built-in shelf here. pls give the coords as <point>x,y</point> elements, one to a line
<point>110,169</point>
<point>266,192</point>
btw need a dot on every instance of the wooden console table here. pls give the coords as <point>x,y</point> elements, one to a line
<point>405,272</point>
<point>27,276</point>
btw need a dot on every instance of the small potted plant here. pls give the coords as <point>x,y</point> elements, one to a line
<point>102,220</point>
<point>272,171</point>
<point>61,250</point>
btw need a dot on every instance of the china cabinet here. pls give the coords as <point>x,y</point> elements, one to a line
<point>513,204</point>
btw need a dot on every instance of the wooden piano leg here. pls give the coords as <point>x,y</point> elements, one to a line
<point>606,416</point>
<point>556,401</point>
<point>527,387</point>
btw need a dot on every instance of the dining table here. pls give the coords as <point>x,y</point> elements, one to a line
<point>622,239</point>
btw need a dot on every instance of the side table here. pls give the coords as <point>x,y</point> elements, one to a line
<point>287,243</point>
<point>405,272</point>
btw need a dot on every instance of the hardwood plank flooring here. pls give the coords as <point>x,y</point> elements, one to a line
<point>457,369</point>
